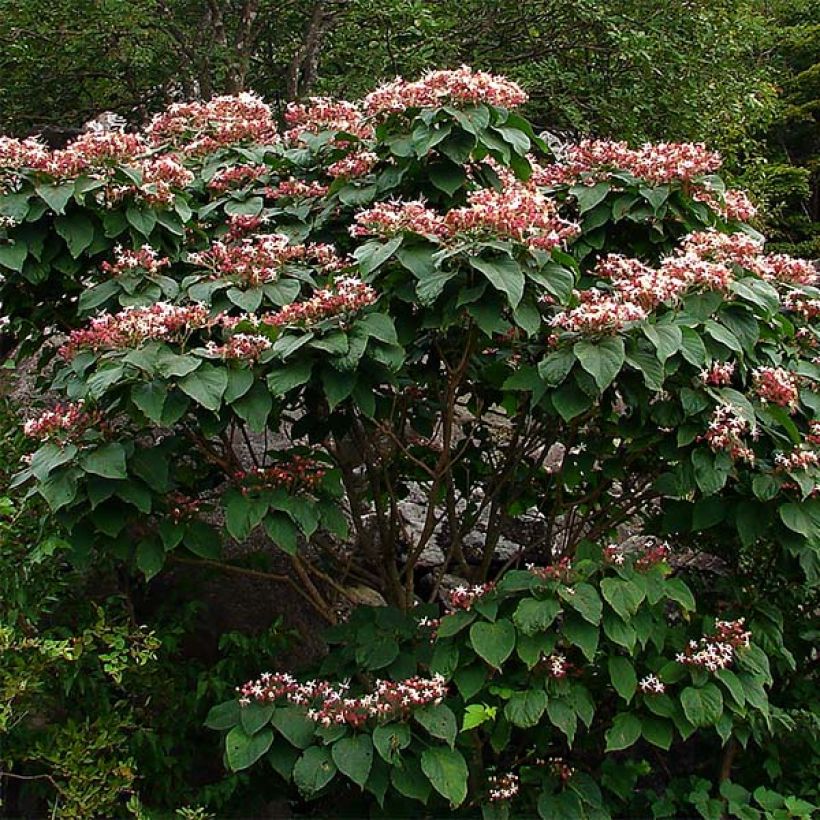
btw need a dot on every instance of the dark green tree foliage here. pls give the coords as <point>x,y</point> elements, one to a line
<point>790,181</point>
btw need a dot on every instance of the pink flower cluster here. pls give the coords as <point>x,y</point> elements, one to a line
<point>599,312</point>
<point>797,459</point>
<point>778,267</point>
<point>737,206</point>
<point>463,597</point>
<point>502,787</point>
<point>357,164</point>
<point>324,114</point>
<point>145,259</point>
<point>649,554</point>
<point>557,665</point>
<point>592,160</point>
<point>159,180</point>
<point>134,325</point>
<point>813,436</point>
<point>716,651</point>
<point>65,422</point>
<point>646,287</point>
<point>464,86</point>
<point>726,431</point>
<point>776,385</point>
<point>26,153</point>
<point>518,212</point>
<point>298,473</point>
<point>203,127</point>
<point>732,205</point>
<point>296,189</point>
<point>236,176</point>
<point>386,219</point>
<point>747,252</point>
<point>258,259</point>
<point>650,685</point>
<point>728,248</point>
<point>242,346</point>
<point>329,704</point>
<point>344,297</point>
<point>561,570</point>
<point>240,225</point>
<point>802,304</point>
<point>718,374</point>
<point>182,507</point>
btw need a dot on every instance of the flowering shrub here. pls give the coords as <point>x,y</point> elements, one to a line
<point>525,686</point>
<point>304,332</point>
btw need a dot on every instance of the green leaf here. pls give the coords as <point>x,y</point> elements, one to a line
<point>648,366</point>
<point>59,489</point>
<point>373,255</point>
<point>248,300</point>
<point>602,359</point>
<point>379,326</point>
<point>562,806</point>
<point>677,590</point>
<point>378,653</point>
<point>337,386</point>
<point>243,750</point>
<point>584,599</point>
<point>77,230</point>
<point>224,715</point>
<point>206,386</point>
<point>504,274</point>
<point>314,770</point>
<point>796,517</point>
<point>353,757</point>
<point>282,759</point>
<point>56,196</point>
<point>150,398</point>
<point>254,407</point>
<point>203,540</point>
<point>623,677</point>
<point>477,714</point>
<point>555,367</point>
<point>570,401</point>
<point>493,642</point>
<point>439,721</point>
<point>107,461</point>
<point>623,596</point>
<point>533,616</point>
<point>409,780</point>
<point>292,723</point>
<point>581,633</point>
<point>447,177</point>
<point>282,531</point>
<point>255,715</point>
<point>625,730</point>
<point>390,739</point>
<point>285,378</point>
<point>657,731</point>
<point>588,196</point>
<point>667,339</point>
<point>150,557</point>
<point>562,715</point>
<point>243,514</point>
<point>525,708</point>
<point>702,707</point>
<point>14,256</point>
<point>142,220</point>
<point>447,771</point>
<point>692,347</point>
